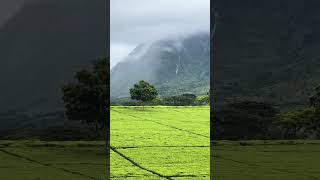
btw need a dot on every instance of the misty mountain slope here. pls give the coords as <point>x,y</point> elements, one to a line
<point>174,66</point>
<point>43,45</point>
<point>267,50</point>
<point>8,8</point>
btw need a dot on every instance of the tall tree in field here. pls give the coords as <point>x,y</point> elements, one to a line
<point>87,99</point>
<point>144,92</point>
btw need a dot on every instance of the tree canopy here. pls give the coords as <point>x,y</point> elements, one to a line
<point>314,101</point>
<point>87,98</point>
<point>143,91</point>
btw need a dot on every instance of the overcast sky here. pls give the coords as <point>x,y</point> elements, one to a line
<point>137,21</point>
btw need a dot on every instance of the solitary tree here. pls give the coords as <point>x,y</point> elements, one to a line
<point>143,91</point>
<point>87,98</point>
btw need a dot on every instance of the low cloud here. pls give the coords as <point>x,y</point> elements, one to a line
<point>137,21</point>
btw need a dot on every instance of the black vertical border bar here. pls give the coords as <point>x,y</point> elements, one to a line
<point>108,90</point>
<point>211,91</point>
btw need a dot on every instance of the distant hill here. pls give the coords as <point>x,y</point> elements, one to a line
<point>266,50</point>
<point>42,46</point>
<point>175,66</point>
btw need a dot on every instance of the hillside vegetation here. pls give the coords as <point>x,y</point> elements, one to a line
<point>266,50</point>
<point>175,66</point>
<point>42,45</point>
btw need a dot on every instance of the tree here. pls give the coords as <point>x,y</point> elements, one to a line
<point>87,98</point>
<point>314,100</point>
<point>143,91</point>
<point>203,100</point>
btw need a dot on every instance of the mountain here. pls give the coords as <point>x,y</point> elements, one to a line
<point>42,45</point>
<point>175,66</point>
<point>266,50</point>
<point>9,8</point>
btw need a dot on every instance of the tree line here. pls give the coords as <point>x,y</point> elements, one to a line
<point>143,93</point>
<point>259,120</point>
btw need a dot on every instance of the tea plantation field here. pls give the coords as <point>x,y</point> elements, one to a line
<point>266,160</point>
<point>160,143</point>
<point>36,160</point>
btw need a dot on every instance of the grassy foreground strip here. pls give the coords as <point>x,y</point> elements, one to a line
<point>160,142</point>
<point>265,160</point>
<point>52,160</point>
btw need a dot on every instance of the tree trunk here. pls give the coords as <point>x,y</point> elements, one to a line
<point>106,138</point>
<point>105,133</point>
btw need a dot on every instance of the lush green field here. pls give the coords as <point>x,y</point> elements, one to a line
<point>266,160</point>
<point>160,143</point>
<point>35,160</point>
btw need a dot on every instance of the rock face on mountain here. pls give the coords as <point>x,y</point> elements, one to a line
<point>43,45</point>
<point>266,50</point>
<point>174,66</point>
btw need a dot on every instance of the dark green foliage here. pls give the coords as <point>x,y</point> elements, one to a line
<point>86,100</point>
<point>255,120</point>
<point>203,100</point>
<point>298,124</point>
<point>243,120</point>
<point>314,101</point>
<point>143,91</point>
<point>181,100</point>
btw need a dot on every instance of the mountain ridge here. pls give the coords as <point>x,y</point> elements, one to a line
<point>43,45</point>
<point>266,51</point>
<point>174,65</point>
